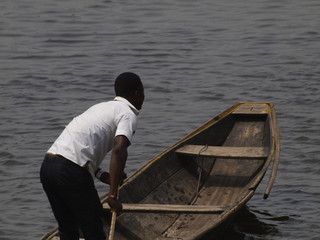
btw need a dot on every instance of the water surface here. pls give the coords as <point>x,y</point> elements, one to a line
<point>196,58</point>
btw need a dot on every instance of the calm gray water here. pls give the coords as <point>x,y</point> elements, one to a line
<point>196,59</point>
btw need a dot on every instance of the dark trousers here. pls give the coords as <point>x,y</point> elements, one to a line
<point>73,198</point>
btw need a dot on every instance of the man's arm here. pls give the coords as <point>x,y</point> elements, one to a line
<point>117,163</point>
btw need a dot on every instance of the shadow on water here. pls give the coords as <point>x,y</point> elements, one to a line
<point>248,226</point>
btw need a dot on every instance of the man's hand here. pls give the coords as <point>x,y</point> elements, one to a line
<point>105,178</point>
<point>115,204</point>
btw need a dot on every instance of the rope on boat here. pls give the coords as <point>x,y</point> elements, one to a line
<point>200,169</point>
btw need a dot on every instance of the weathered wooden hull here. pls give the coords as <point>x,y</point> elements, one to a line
<point>216,167</point>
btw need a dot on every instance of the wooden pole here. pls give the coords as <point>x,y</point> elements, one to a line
<point>112,225</point>
<point>113,221</point>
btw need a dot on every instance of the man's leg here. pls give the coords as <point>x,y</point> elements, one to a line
<point>74,199</point>
<point>68,227</point>
<point>86,207</point>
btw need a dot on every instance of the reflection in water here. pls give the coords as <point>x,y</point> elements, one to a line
<point>247,223</point>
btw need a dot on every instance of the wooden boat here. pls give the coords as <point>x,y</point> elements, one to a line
<point>195,187</point>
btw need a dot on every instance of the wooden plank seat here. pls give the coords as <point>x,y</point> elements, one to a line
<point>170,208</point>
<point>224,152</point>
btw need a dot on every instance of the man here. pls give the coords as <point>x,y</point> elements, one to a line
<point>74,159</point>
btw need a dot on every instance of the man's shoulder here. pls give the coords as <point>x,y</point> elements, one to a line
<point>111,109</point>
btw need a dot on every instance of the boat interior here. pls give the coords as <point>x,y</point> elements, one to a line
<point>215,166</point>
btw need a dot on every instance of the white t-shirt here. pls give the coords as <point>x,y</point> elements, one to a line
<point>89,136</point>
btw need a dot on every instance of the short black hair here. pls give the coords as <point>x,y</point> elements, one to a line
<point>126,84</point>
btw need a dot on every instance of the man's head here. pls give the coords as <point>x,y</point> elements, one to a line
<point>129,86</point>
